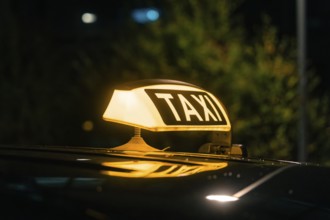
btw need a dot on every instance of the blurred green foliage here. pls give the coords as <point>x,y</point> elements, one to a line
<point>48,88</point>
<point>203,42</point>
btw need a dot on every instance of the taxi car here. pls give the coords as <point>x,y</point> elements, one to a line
<point>139,181</point>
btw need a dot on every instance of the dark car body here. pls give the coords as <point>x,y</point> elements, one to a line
<point>95,183</point>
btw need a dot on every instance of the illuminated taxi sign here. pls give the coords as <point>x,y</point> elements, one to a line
<point>178,107</point>
<point>167,105</point>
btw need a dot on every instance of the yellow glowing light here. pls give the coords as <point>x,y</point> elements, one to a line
<point>88,126</point>
<point>156,169</point>
<point>129,107</point>
<point>148,107</point>
<point>222,198</point>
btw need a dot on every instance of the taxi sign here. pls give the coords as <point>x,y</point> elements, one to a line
<point>167,105</point>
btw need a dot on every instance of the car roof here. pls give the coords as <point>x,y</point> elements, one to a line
<point>146,183</point>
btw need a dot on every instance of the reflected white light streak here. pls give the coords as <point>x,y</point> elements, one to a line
<point>260,181</point>
<point>236,196</point>
<point>222,198</point>
<point>83,159</point>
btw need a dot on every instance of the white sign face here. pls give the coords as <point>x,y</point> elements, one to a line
<point>167,107</point>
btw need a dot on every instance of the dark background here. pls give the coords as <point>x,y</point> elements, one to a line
<point>62,21</point>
